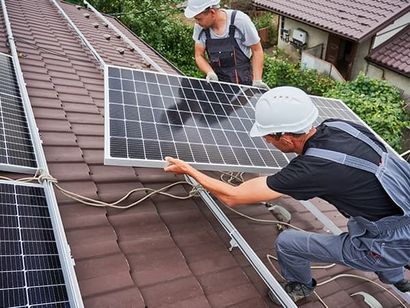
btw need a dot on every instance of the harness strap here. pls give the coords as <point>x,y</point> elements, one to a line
<point>343,159</point>
<point>347,128</point>
<point>232,27</point>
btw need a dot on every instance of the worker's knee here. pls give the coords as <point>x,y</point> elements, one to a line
<point>288,239</point>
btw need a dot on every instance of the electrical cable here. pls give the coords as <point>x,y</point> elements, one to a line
<point>41,177</point>
<point>313,267</point>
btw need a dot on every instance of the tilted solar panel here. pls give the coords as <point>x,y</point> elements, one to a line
<point>30,269</point>
<point>16,148</point>
<point>151,115</point>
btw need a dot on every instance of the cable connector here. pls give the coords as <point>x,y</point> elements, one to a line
<point>45,176</point>
<point>281,213</point>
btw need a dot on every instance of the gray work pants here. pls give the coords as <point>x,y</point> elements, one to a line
<point>297,249</point>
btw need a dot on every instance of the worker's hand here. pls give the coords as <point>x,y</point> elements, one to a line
<point>260,84</point>
<point>176,166</point>
<point>211,76</point>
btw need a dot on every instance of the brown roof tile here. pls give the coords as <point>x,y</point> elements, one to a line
<point>394,53</point>
<point>353,19</point>
<point>163,252</point>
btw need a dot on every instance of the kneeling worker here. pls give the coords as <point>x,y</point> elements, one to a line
<point>342,163</point>
<point>231,42</point>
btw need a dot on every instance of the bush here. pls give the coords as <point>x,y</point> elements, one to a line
<point>279,72</point>
<point>378,104</point>
<point>158,24</point>
<point>267,20</point>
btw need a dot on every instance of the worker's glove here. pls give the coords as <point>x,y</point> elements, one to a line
<point>211,76</point>
<point>260,84</point>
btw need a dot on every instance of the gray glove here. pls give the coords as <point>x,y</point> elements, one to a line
<point>211,76</point>
<point>260,84</point>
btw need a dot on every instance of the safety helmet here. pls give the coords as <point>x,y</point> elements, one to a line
<point>283,110</point>
<point>195,7</point>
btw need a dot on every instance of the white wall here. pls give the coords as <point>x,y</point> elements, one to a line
<point>399,81</point>
<point>398,25</point>
<point>359,63</point>
<point>315,36</point>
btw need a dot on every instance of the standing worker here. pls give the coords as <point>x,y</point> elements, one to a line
<point>231,42</point>
<point>342,163</point>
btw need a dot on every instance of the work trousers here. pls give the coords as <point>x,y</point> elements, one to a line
<point>297,249</point>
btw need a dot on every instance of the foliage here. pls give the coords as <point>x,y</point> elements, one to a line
<point>267,20</point>
<point>159,24</point>
<point>378,104</point>
<point>280,72</point>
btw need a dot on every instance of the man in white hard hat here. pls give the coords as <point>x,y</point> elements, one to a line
<point>230,41</point>
<point>338,161</point>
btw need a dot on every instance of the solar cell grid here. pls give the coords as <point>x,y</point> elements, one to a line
<point>151,115</point>
<point>16,147</point>
<point>30,269</point>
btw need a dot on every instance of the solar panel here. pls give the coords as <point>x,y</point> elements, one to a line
<point>30,269</point>
<point>16,148</point>
<point>151,115</point>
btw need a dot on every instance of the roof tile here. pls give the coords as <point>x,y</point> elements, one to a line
<point>356,20</point>
<point>393,57</point>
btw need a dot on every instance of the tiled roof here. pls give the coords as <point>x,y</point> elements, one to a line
<point>353,19</point>
<point>394,54</point>
<point>164,252</point>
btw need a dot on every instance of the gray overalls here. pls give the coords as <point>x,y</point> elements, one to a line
<point>226,57</point>
<point>381,246</point>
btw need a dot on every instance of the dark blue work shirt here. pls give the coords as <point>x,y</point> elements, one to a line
<point>352,191</point>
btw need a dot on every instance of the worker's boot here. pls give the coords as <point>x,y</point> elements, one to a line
<point>295,290</point>
<point>403,285</point>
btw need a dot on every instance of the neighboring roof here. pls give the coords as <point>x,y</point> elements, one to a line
<point>164,252</point>
<point>357,20</point>
<point>394,54</point>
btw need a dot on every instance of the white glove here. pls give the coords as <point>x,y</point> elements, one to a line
<point>211,76</point>
<point>260,84</point>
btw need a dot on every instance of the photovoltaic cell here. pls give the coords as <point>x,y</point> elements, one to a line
<point>30,269</point>
<point>16,148</point>
<point>151,115</point>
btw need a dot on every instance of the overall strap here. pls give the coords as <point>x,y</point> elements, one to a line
<point>207,33</point>
<point>347,128</point>
<point>343,159</point>
<point>232,27</point>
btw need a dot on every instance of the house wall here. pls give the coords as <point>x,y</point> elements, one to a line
<point>395,27</point>
<point>359,63</point>
<point>315,36</point>
<point>399,81</point>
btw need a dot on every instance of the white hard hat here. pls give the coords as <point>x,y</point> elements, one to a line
<point>284,110</point>
<point>196,7</point>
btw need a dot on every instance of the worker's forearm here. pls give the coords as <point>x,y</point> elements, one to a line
<point>203,64</point>
<point>257,65</point>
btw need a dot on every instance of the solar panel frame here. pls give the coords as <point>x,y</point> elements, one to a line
<point>31,270</point>
<point>17,151</point>
<point>328,108</point>
<point>193,111</point>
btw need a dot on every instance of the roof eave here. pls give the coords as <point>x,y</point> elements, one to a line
<point>361,39</point>
<point>384,24</point>
<point>385,66</point>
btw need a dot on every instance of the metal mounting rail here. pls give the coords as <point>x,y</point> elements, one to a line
<point>80,34</point>
<point>124,37</point>
<point>239,241</point>
<point>67,263</point>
